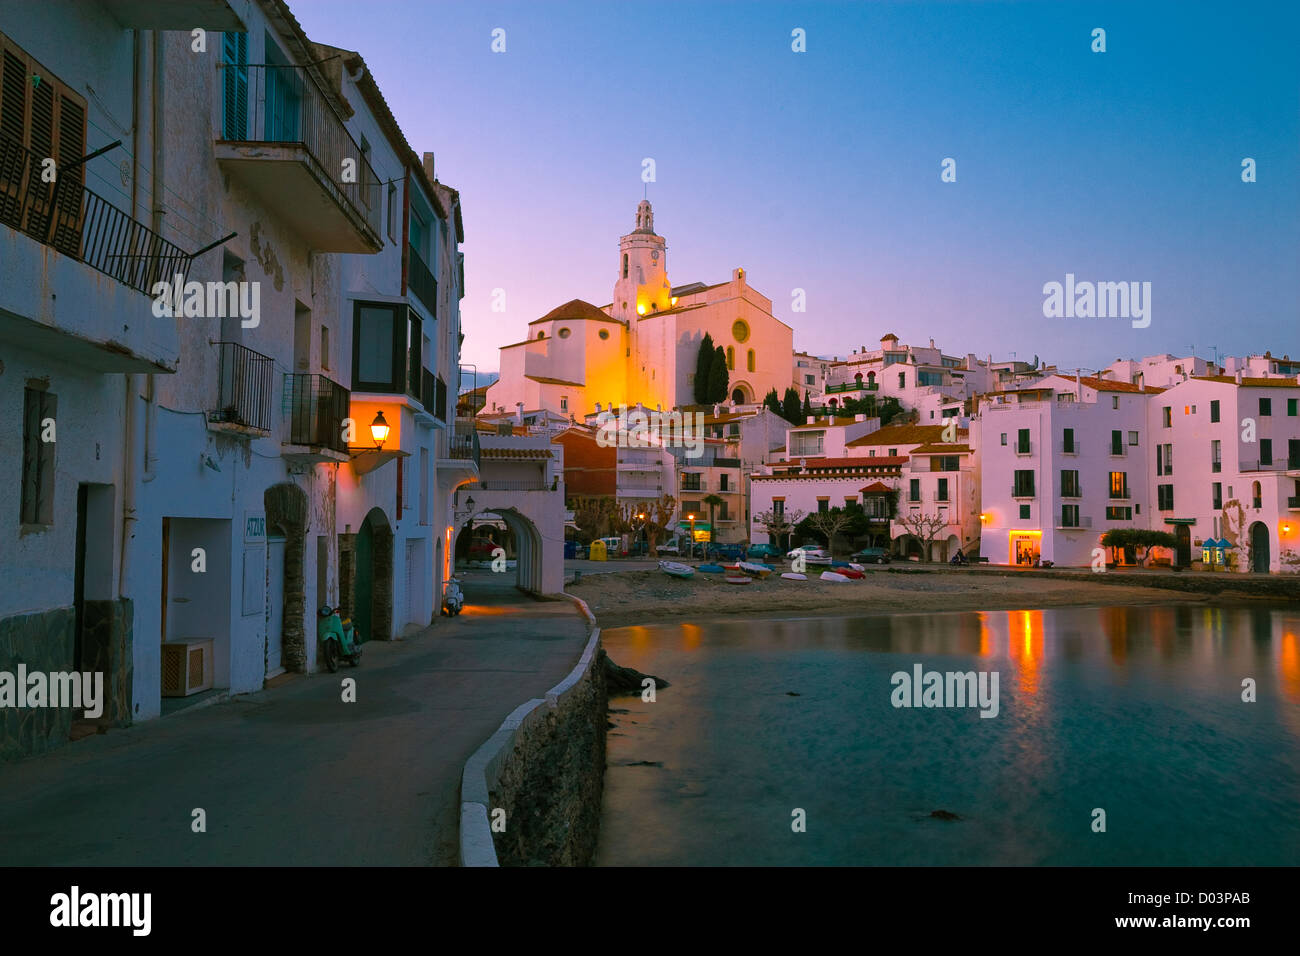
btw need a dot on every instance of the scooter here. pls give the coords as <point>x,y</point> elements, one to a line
<point>959,558</point>
<point>338,639</point>
<point>453,599</point>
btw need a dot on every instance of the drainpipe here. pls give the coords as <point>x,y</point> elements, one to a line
<point>151,405</point>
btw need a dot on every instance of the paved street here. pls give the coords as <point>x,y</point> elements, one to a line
<point>293,775</point>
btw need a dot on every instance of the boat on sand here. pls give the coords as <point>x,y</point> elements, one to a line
<point>676,570</point>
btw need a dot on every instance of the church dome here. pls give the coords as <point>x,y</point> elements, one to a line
<point>575,310</point>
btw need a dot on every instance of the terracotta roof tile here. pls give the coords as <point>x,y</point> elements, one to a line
<point>904,435</point>
<point>515,453</point>
<point>574,310</point>
<point>1250,382</point>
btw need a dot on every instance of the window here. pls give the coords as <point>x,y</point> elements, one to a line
<point>1022,441</point>
<point>740,330</point>
<point>902,380</point>
<point>1067,441</point>
<point>1164,459</point>
<point>893,453</point>
<point>749,360</point>
<point>325,347</point>
<point>823,505</point>
<point>541,335</point>
<point>691,481</point>
<point>1119,484</point>
<point>564,403</point>
<point>1004,438</point>
<point>1023,486</point>
<point>603,333</point>
<point>1133,439</point>
<point>625,272</point>
<point>1116,442</point>
<point>1216,461</point>
<point>563,333</point>
<point>1214,410</point>
<point>1165,497</point>
<point>1069,516</point>
<point>392,213</point>
<point>944,463</point>
<point>1265,451</point>
<point>1291,407</point>
<point>1024,512</point>
<point>731,357</point>
<point>942,493</point>
<point>1216,496</point>
<point>1265,407</point>
<point>778,507</point>
<point>1119,513</point>
<point>1070,484</point>
<point>1256,495</point>
<point>1292,454</point>
<point>1114,401</point>
<point>1167,414</point>
<point>914,490</point>
<point>722,482</point>
<point>39,412</point>
<point>809,380</point>
<point>234,78</point>
<point>387,347</point>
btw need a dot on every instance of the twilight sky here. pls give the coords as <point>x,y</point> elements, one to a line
<point>821,170</point>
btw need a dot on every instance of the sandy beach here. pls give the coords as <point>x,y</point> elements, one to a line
<point>649,596</point>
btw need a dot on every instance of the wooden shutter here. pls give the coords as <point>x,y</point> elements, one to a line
<point>235,86</point>
<point>13,123</point>
<point>38,458</point>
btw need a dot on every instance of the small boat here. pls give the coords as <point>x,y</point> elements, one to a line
<point>851,574</point>
<point>839,564</point>
<point>833,576</point>
<point>676,570</point>
<point>758,570</point>
<point>710,568</point>
<point>792,576</point>
<point>735,579</point>
<point>857,567</point>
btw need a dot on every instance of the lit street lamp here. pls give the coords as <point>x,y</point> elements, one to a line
<point>691,517</point>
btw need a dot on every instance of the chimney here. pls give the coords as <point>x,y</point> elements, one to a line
<point>428,165</point>
<point>1238,376</point>
<point>931,343</point>
<point>519,412</point>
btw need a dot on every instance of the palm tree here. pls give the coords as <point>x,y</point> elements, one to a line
<point>713,501</point>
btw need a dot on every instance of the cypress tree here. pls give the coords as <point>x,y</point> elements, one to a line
<point>790,406</point>
<point>772,401</point>
<point>703,368</point>
<point>807,405</point>
<point>718,379</point>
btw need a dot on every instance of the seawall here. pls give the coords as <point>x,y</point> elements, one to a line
<point>530,795</point>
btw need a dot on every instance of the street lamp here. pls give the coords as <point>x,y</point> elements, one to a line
<point>691,517</point>
<point>641,528</point>
<point>379,430</point>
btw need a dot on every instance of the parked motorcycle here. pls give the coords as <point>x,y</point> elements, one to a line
<point>338,639</point>
<point>959,558</point>
<point>453,598</point>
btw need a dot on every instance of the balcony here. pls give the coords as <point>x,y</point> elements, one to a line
<point>1270,465</point>
<point>1071,491</point>
<point>1023,450</point>
<point>1116,451</point>
<point>516,484</point>
<point>1293,503</point>
<point>462,463</point>
<point>244,384</point>
<point>317,407</point>
<point>285,142</point>
<point>1023,491</point>
<point>1072,522</point>
<point>420,280</point>
<point>54,304</point>
<point>852,387</point>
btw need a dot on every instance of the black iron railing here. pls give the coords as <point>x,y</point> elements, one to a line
<point>317,407</point>
<point>440,400</point>
<point>422,282</point>
<point>285,105</point>
<point>428,390</point>
<point>244,387</point>
<point>463,444</point>
<point>67,216</point>
<point>517,484</point>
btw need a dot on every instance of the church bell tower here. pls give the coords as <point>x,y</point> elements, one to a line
<point>642,287</point>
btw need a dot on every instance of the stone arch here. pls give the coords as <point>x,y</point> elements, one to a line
<point>369,588</point>
<point>1259,547</point>
<point>528,545</point>
<point>286,512</point>
<point>741,393</point>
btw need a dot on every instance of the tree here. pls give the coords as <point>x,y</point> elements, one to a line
<point>658,519</point>
<point>790,406</point>
<point>703,365</point>
<point>807,405</point>
<point>773,401</point>
<point>713,501</point>
<point>778,523</point>
<point>829,523</point>
<point>1143,539</point>
<point>718,378</point>
<point>592,516</point>
<point>925,525</point>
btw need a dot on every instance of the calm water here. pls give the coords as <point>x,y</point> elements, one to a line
<point>1135,710</point>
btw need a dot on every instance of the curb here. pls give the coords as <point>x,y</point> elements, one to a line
<point>483,769</point>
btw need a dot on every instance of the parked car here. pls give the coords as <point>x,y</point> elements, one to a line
<point>727,552</point>
<point>812,554</point>
<point>670,547</point>
<point>871,556</point>
<point>480,549</point>
<point>613,547</point>
<point>761,552</point>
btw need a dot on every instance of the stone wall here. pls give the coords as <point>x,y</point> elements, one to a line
<point>44,642</point>
<point>545,767</point>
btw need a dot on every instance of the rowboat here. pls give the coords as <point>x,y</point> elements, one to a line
<point>792,576</point>
<point>710,568</point>
<point>758,570</point>
<point>676,570</point>
<point>851,574</point>
<point>833,576</point>
<point>733,579</point>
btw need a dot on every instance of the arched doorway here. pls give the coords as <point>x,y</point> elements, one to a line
<point>521,540</point>
<point>1259,547</point>
<point>1183,549</point>
<point>741,394</point>
<point>372,607</point>
<point>286,522</point>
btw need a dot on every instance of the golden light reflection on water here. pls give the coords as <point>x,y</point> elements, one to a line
<point>692,634</point>
<point>1289,664</point>
<point>1025,647</point>
<point>986,636</point>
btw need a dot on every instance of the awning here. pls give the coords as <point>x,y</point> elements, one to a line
<point>699,525</point>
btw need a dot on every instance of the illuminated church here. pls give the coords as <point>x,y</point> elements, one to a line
<point>643,346</point>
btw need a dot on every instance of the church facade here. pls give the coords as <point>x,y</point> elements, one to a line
<point>643,345</point>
